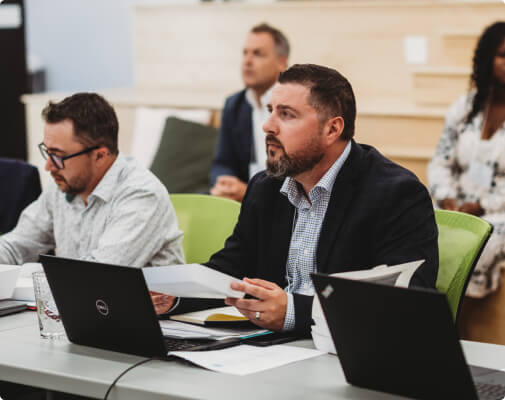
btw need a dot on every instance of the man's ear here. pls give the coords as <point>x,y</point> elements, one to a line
<point>283,63</point>
<point>101,153</point>
<point>334,129</point>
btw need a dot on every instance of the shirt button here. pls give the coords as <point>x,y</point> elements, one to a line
<point>312,214</point>
<point>305,252</point>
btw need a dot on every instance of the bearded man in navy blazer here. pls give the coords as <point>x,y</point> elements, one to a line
<point>325,204</point>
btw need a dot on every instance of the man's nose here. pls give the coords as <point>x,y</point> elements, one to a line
<point>270,126</point>
<point>247,59</point>
<point>50,165</point>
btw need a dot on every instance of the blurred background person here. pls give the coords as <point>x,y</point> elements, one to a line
<point>467,172</point>
<point>241,147</point>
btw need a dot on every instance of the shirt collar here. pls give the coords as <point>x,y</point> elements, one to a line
<point>108,183</point>
<point>251,98</point>
<point>293,191</point>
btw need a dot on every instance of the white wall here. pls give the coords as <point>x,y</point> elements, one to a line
<point>84,45</point>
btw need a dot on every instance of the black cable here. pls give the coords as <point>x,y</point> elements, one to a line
<point>124,372</point>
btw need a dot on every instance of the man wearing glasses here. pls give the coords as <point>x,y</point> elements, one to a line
<point>102,206</point>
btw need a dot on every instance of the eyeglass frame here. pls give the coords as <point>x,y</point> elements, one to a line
<point>45,154</point>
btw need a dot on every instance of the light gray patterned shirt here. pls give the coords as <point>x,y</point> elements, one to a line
<point>309,217</point>
<point>129,220</point>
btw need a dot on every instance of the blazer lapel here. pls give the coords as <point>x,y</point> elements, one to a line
<point>338,207</point>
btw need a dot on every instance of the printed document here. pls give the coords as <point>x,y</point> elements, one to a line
<point>190,280</point>
<point>245,359</point>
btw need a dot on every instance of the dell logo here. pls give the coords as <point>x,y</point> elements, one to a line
<point>102,307</point>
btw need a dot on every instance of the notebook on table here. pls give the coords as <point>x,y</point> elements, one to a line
<point>109,307</point>
<point>401,341</point>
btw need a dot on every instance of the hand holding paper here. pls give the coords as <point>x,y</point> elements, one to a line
<point>268,310</point>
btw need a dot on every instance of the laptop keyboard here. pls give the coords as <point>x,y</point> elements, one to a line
<point>487,391</point>
<point>172,344</point>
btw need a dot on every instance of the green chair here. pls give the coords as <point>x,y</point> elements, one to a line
<point>207,221</point>
<point>461,238</point>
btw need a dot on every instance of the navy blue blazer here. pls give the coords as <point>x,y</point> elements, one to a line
<point>19,186</point>
<point>379,213</point>
<point>234,146</point>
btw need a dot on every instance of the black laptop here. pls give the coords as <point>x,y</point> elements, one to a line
<point>401,341</point>
<point>109,307</point>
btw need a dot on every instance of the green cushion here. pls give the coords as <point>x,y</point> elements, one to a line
<point>207,221</point>
<point>460,240</point>
<point>184,156</point>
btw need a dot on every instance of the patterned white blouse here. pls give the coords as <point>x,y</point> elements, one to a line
<point>469,169</point>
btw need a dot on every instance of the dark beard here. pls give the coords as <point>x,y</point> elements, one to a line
<point>291,166</point>
<point>296,164</point>
<point>74,189</point>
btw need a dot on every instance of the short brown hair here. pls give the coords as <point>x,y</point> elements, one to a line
<point>280,40</point>
<point>95,121</point>
<point>331,93</point>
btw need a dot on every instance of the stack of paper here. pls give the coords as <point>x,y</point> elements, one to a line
<point>8,277</point>
<point>24,284</point>
<point>182,330</point>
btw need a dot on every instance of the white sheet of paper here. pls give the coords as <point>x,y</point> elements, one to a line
<point>244,359</point>
<point>190,280</point>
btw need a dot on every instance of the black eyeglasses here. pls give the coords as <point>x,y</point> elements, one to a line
<point>59,161</point>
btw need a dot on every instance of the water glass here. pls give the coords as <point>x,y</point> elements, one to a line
<point>50,323</point>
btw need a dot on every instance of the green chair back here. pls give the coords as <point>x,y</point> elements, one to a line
<point>461,238</point>
<point>207,221</point>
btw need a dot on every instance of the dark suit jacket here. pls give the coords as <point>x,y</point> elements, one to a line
<point>19,186</point>
<point>379,213</point>
<point>234,147</point>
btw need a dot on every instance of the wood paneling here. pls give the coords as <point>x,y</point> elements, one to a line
<point>199,47</point>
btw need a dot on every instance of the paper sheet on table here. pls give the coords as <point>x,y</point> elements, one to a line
<point>189,331</point>
<point>244,359</point>
<point>190,280</point>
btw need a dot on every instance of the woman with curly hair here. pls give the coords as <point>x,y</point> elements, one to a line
<point>467,172</point>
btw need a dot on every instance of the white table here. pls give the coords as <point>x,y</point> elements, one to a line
<point>26,358</point>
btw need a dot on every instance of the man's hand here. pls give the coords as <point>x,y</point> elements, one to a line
<point>472,208</point>
<point>271,302</point>
<point>162,302</point>
<point>449,204</point>
<point>230,187</point>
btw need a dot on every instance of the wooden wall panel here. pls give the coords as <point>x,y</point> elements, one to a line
<point>199,46</point>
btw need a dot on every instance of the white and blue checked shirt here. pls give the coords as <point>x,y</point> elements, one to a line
<point>309,217</point>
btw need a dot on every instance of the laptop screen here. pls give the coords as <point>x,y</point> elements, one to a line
<point>104,306</point>
<point>393,339</point>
